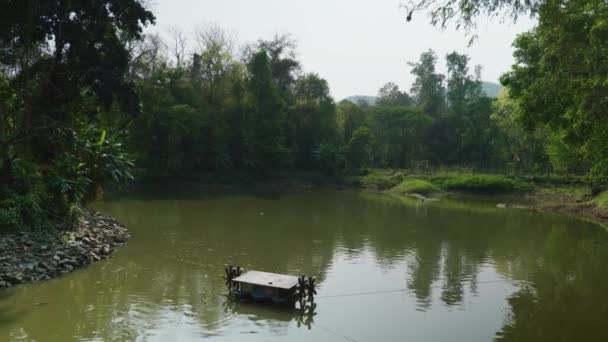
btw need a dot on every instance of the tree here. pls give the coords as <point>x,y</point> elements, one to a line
<point>521,151</point>
<point>349,118</point>
<point>399,135</point>
<point>390,95</point>
<point>63,49</point>
<point>312,119</point>
<point>284,64</point>
<point>559,77</point>
<point>64,67</point>
<point>465,12</point>
<point>283,61</point>
<point>359,148</point>
<point>428,88</point>
<point>264,133</point>
<point>461,87</point>
<point>146,56</point>
<point>178,46</point>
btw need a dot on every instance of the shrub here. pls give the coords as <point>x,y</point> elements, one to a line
<point>418,186</point>
<point>483,184</point>
<point>381,179</point>
<point>602,200</point>
<point>23,198</point>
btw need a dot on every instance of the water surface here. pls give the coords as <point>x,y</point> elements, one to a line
<point>389,269</point>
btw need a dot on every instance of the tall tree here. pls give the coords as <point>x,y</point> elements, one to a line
<point>264,137</point>
<point>349,118</point>
<point>64,67</point>
<point>312,118</point>
<point>84,47</point>
<point>461,86</point>
<point>284,63</point>
<point>428,88</point>
<point>559,77</point>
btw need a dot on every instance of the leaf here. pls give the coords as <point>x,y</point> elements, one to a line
<point>102,139</point>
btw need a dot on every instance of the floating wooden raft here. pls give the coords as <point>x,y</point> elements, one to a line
<point>261,286</point>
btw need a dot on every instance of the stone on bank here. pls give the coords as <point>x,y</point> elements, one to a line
<point>26,256</point>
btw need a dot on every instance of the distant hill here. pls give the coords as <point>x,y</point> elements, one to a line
<point>491,89</point>
<point>357,99</point>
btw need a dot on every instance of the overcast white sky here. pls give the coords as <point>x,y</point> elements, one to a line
<point>357,45</point>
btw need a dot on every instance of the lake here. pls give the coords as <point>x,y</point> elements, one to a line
<point>389,269</point>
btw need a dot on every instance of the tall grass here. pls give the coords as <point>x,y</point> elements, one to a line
<point>418,186</point>
<point>483,184</point>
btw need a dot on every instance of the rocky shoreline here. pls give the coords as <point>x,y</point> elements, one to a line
<point>29,256</point>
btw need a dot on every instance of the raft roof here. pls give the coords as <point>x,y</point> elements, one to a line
<point>274,280</point>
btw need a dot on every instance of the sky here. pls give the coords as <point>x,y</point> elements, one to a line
<point>356,45</point>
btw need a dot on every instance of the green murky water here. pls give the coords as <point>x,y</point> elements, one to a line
<point>389,270</point>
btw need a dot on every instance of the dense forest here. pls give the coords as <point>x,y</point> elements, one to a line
<point>87,99</point>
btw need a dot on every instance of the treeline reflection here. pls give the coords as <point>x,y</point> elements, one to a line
<point>170,273</point>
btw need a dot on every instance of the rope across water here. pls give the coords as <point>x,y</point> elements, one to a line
<point>392,291</point>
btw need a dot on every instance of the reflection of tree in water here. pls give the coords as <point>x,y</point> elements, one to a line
<point>168,270</point>
<point>565,298</point>
<point>445,247</point>
<point>424,271</point>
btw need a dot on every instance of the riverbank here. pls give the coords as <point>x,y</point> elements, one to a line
<point>566,195</point>
<point>569,195</point>
<point>33,256</point>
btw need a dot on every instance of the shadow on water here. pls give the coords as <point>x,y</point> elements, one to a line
<point>272,190</point>
<point>264,311</point>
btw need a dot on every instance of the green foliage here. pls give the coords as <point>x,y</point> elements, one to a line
<point>483,184</point>
<point>103,158</point>
<point>601,201</point>
<point>22,200</point>
<point>84,95</point>
<point>390,95</point>
<point>18,211</point>
<point>520,150</point>
<point>399,134</point>
<point>359,148</point>
<point>465,12</point>
<point>330,157</point>
<point>428,88</point>
<point>418,186</point>
<point>559,82</point>
<point>312,118</point>
<point>380,179</point>
<point>63,63</point>
<point>349,118</point>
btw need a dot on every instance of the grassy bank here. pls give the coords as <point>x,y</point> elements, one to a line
<point>553,193</point>
<point>449,181</point>
<point>415,186</point>
<point>566,194</point>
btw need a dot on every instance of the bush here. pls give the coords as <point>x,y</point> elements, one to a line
<point>23,198</point>
<point>381,179</point>
<point>21,211</point>
<point>417,186</point>
<point>483,184</point>
<point>601,200</point>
